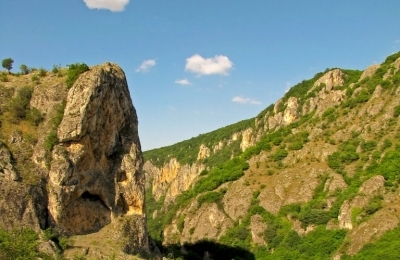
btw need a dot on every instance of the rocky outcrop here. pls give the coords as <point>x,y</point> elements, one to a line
<point>286,188</point>
<point>7,169</point>
<point>173,178</point>
<point>331,79</point>
<point>22,205</point>
<point>208,221</point>
<point>257,229</point>
<point>367,190</point>
<point>96,169</point>
<point>204,152</point>
<point>290,114</point>
<point>46,99</point>
<point>247,139</point>
<point>369,72</point>
<point>237,206</point>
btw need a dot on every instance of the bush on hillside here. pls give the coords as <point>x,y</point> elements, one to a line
<point>74,70</point>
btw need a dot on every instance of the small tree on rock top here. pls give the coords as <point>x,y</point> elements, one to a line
<point>7,64</point>
<point>24,69</point>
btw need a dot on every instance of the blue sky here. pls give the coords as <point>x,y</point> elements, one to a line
<point>193,66</point>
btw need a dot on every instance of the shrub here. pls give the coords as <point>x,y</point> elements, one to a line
<point>296,145</point>
<point>211,197</point>
<point>19,105</point>
<point>35,116</point>
<point>24,69</point>
<point>3,77</point>
<point>35,79</point>
<point>56,69</point>
<point>280,154</point>
<point>386,144</point>
<point>368,146</point>
<point>396,112</point>
<point>74,70</point>
<point>345,155</point>
<point>42,72</point>
<point>20,244</point>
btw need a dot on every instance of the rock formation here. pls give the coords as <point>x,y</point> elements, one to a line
<point>96,169</point>
<point>172,179</point>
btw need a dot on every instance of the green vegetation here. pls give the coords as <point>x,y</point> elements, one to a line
<point>319,244</point>
<point>42,72</point>
<point>19,105</point>
<point>211,197</point>
<point>389,167</point>
<point>74,70</point>
<point>186,151</point>
<point>3,77</point>
<point>55,121</point>
<point>20,244</point>
<point>24,69</point>
<point>396,112</point>
<point>7,64</point>
<point>345,155</point>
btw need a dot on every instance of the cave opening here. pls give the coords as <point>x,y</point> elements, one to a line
<point>93,197</point>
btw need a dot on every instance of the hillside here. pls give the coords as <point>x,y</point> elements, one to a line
<point>313,176</point>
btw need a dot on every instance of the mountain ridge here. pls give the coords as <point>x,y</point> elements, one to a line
<point>311,155</point>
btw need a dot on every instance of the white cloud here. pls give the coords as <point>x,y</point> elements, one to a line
<point>146,66</point>
<point>112,5</point>
<point>397,41</point>
<point>288,86</point>
<point>183,82</point>
<point>244,100</point>
<point>206,66</point>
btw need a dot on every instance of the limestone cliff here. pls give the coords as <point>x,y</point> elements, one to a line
<point>172,179</point>
<point>96,169</point>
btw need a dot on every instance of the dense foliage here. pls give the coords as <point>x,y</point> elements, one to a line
<point>74,70</point>
<point>186,151</point>
<point>7,64</point>
<point>20,244</point>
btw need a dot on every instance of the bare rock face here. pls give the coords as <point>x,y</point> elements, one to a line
<point>368,72</point>
<point>331,79</point>
<point>290,113</point>
<point>204,152</point>
<point>247,139</point>
<point>257,229</point>
<point>22,205</point>
<point>284,189</point>
<point>96,169</point>
<point>46,99</point>
<point>6,167</point>
<point>209,221</point>
<point>237,206</point>
<point>173,178</point>
<point>369,188</point>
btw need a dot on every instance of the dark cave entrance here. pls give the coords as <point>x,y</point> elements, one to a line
<point>94,198</point>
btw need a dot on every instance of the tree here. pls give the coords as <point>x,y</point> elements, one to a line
<point>24,69</point>
<point>7,64</point>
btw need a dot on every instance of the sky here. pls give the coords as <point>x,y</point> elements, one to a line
<point>194,66</point>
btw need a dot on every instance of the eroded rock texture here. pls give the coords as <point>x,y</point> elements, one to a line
<point>96,169</point>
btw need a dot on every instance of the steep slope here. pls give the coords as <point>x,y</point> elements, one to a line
<point>318,166</point>
<point>82,172</point>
